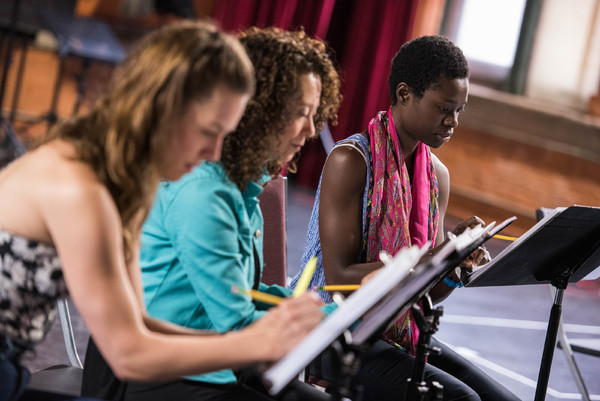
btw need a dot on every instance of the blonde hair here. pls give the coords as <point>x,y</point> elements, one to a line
<point>123,137</point>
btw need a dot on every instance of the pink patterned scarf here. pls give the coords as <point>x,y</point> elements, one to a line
<point>399,214</point>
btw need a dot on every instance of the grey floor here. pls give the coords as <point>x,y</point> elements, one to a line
<point>501,329</point>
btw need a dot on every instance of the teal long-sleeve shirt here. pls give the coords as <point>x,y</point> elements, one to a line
<point>198,241</point>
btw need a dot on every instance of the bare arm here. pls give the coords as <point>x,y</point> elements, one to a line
<point>86,230</point>
<point>340,217</point>
<point>442,290</point>
<point>443,176</point>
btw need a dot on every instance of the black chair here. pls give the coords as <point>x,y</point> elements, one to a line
<point>89,39</point>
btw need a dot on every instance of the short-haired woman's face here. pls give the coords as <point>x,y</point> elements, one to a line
<point>432,118</point>
<point>301,124</point>
<point>200,132</point>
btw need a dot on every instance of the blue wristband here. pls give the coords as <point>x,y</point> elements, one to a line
<point>451,283</point>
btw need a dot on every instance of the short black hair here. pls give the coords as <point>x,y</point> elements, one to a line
<point>421,62</point>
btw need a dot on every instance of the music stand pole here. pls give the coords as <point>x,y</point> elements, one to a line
<point>427,320</point>
<point>560,283</point>
<point>549,345</point>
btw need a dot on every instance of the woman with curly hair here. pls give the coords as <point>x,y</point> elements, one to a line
<point>204,233</point>
<point>71,213</point>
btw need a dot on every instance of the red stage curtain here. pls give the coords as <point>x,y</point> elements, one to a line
<point>365,35</point>
<point>313,15</point>
<point>366,38</point>
<point>378,29</point>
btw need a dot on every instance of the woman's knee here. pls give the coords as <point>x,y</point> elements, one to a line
<point>452,388</point>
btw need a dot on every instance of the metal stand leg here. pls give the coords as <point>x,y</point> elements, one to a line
<point>566,347</point>
<point>52,114</point>
<point>549,346</point>
<point>81,83</point>
<point>428,321</point>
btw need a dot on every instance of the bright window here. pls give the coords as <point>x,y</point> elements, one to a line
<point>489,30</point>
<point>488,33</point>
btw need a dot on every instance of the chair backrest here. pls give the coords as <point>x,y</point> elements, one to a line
<point>273,206</point>
<point>68,336</point>
<point>65,379</point>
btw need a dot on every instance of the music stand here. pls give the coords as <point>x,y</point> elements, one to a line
<point>375,305</point>
<point>562,248</point>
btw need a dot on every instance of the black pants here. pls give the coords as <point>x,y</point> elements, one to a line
<point>383,375</point>
<point>99,381</point>
<point>186,390</point>
<point>14,377</point>
<point>385,370</point>
<point>98,378</point>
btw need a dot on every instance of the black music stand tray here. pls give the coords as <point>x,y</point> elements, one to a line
<point>562,248</point>
<point>357,323</point>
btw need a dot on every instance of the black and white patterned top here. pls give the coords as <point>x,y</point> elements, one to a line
<point>31,281</point>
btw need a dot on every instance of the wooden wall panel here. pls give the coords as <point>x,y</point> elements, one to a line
<point>495,178</point>
<point>37,86</point>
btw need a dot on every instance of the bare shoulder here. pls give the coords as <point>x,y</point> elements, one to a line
<point>47,186</point>
<point>440,168</point>
<point>443,176</point>
<point>60,177</point>
<point>70,181</point>
<point>345,168</point>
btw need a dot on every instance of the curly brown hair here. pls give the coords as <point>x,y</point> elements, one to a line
<point>123,137</point>
<point>279,58</point>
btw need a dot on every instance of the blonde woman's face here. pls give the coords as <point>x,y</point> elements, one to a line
<point>301,125</point>
<point>200,132</point>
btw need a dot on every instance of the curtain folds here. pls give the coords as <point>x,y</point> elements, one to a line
<point>364,34</point>
<point>313,15</point>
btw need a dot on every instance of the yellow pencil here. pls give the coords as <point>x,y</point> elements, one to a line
<point>342,287</point>
<point>258,295</point>
<point>505,237</point>
<point>305,277</point>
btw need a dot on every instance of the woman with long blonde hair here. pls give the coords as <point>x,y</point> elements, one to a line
<point>71,212</point>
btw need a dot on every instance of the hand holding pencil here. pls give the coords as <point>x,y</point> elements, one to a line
<point>285,325</point>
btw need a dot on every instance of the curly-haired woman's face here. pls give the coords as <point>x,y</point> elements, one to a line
<point>301,124</point>
<point>200,132</point>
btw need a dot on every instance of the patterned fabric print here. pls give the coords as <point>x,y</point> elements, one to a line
<point>434,195</point>
<point>31,281</point>
<point>400,214</point>
<point>367,214</point>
